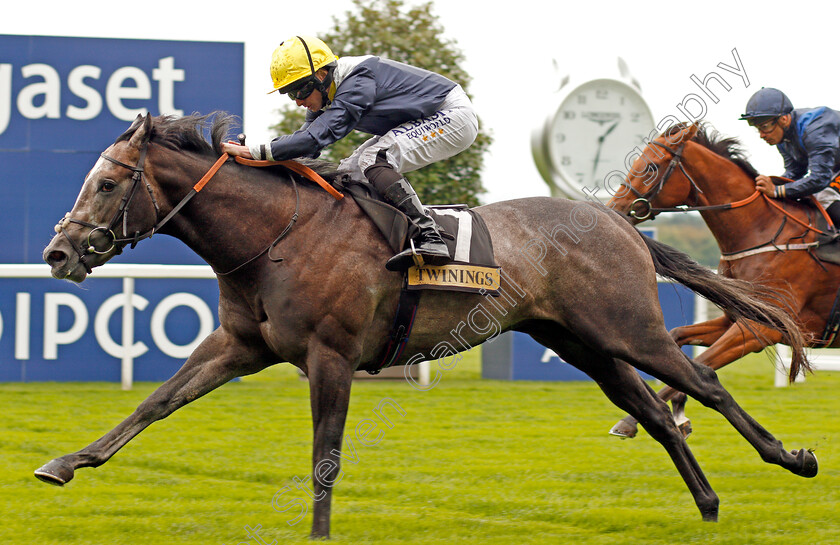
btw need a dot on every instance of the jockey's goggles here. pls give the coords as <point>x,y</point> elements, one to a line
<point>302,91</point>
<point>764,125</point>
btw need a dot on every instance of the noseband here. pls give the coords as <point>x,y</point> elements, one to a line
<point>645,198</point>
<point>120,214</point>
<point>122,211</point>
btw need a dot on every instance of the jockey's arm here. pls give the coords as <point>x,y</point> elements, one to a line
<point>817,176</point>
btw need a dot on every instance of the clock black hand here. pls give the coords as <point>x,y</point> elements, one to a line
<point>600,144</point>
<point>612,127</point>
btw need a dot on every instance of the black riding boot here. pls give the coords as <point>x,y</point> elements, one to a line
<point>427,247</point>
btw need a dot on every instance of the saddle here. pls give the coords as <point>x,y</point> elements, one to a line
<point>827,249</point>
<point>467,238</point>
<point>473,267</point>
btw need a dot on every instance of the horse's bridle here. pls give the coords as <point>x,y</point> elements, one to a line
<point>138,176</point>
<point>645,198</point>
<point>122,210</point>
<point>121,214</point>
<point>676,161</point>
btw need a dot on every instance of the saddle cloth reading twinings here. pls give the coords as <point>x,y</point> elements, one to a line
<point>466,236</point>
<point>473,267</point>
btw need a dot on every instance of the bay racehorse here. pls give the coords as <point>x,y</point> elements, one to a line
<point>762,240</point>
<point>576,276</point>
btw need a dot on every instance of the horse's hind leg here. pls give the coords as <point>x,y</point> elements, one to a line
<point>670,365</point>
<point>626,389</point>
<point>733,343</point>
<point>217,360</point>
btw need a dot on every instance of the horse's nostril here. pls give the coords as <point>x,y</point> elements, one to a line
<point>55,257</point>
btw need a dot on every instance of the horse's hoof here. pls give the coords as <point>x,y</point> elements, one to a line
<point>710,516</point>
<point>624,429</point>
<point>809,467</point>
<point>57,472</point>
<point>685,428</point>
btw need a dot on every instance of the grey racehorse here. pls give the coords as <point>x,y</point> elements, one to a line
<point>576,277</point>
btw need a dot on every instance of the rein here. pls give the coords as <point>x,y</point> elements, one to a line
<point>676,161</point>
<point>294,166</point>
<point>304,171</point>
<point>138,176</point>
<point>725,206</point>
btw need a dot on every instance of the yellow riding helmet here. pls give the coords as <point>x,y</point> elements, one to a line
<point>298,58</point>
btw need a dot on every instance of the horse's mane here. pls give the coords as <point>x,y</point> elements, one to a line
<point>727,147</point>
<point>189,133</point>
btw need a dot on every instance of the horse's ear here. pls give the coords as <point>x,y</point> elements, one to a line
<point>143,132</point>
<point>692,131</point>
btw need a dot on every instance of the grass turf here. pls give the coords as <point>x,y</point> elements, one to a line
<point>471,461</point>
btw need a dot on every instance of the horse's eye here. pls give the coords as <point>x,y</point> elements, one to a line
<point>107,186</point>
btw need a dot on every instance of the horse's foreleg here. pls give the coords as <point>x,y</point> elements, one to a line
<point>216,361</point>
<point>330,378</point>
<point>702,333</point>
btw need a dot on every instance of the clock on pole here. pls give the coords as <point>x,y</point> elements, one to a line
<point>594,125</point>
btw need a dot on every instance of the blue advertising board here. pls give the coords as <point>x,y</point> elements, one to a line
<point>51,333</point>
<point>62,102</point>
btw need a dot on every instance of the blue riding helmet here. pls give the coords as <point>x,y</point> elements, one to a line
<point>767,103</point>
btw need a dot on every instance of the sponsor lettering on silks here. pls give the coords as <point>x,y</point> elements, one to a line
<point>425,129</point>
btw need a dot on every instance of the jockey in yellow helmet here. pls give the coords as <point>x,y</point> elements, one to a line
<point>295,65</point>
<point>416,117</point>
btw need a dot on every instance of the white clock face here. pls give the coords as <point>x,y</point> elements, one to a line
<point>596,127</point>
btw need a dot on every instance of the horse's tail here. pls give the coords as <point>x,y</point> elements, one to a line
<point>743,301</point>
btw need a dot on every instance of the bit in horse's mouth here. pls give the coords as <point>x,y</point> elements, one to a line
<point>65,272</point>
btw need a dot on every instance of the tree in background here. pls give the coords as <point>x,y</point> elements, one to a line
<point>413,35</point>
